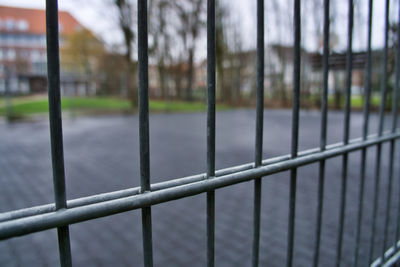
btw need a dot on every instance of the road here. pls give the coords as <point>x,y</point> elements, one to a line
<point>102,154</point>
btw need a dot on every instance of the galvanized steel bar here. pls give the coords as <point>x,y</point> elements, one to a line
<point>260,84</point>
<point>259,131</point>
<point>295,130</point>
<point>346,131</point>
<point>392,256</point>
<point>324,118</point>
<point>144,129</point>
<point>395,99</point>
<point>78,202</point>
<point>53,73</point>
<point>380,131</point>
<point>375,203</point>
<point>384,71</point>
<point>366,110</point>
<point>368,73</point>
<point>56,137</point>
<point>31,224</point>
<point>360,206</point>
<point>211,55</point>
<point>388,198</point>
<point>349,56</point>
<point>394,123</point>
<point>395,103</point>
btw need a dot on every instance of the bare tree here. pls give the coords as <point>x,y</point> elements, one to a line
<point>237,65</point>
<point>278,75</point>
<point>232,59</point>
<point>222,51</point>
<point>126,24</point>
<point>337,87</point>
<point>190,14</point>
<point>161,40</point>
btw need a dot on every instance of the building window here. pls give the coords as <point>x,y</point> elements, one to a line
<point>11,54</point>
<point>23,25</point>
<point>19,39</point>
<point>10,39</point>
<point>24,54</point>
<point>22,40</point>
<point>35,55</point>
<point>10,24</point>
<point>43,40</point>
<point>38,39</point>
<point>31,39</point>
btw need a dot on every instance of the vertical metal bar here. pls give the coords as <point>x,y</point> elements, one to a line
<point>259,130</point>
<point>395,99</point>
<point>346,131</point>
<point>367,92</point>
<point>394,122</point>
<point>144,129</point>
<point>56,137</point>
<point>211,54</point>
<point>380,131</point>
<point>375,204</point>
<point>360,206</point>
<point>388,198</point>
<point>295,130</point>
<point>392,147</point>
<point>324,117</point>
<point>384,72</point>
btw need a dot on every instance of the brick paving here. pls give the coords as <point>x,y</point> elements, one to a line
<point>101,154</point>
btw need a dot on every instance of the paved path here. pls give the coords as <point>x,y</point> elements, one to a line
<point>101,154</point>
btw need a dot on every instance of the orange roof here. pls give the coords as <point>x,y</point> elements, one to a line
<point>33,21</point>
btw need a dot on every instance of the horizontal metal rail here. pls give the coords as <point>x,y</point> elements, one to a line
<point>392,255</point>
<point>36,223</point>
<point>93,199</point>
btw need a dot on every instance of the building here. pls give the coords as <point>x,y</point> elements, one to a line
<point>337,70</point>
<point>23,50</point>
<point>238,80</point>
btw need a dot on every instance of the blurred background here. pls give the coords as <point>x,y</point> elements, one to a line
<point>98,46</point>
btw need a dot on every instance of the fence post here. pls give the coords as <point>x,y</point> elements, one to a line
<point>56,136</point>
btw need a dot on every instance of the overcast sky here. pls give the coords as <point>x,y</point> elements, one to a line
<point>100,17</point>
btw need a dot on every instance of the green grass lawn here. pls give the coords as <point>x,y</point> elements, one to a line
<point>25,106</point>
<point>180,106</point>
<point>30,106</point>
<point>34,105</point>
<point>357,101</point>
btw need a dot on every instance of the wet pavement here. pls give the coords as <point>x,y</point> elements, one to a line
<point>102,154</point>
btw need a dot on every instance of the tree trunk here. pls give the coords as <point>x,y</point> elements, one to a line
<point>132,84</point>
<point>178,86</point>
<point>189,89</point>
<point>282,89</point>
<point>337,93</point>
<point>236,98</point>
<point>162,79</point>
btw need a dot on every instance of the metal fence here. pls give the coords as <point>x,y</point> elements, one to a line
<point>62,213</point>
